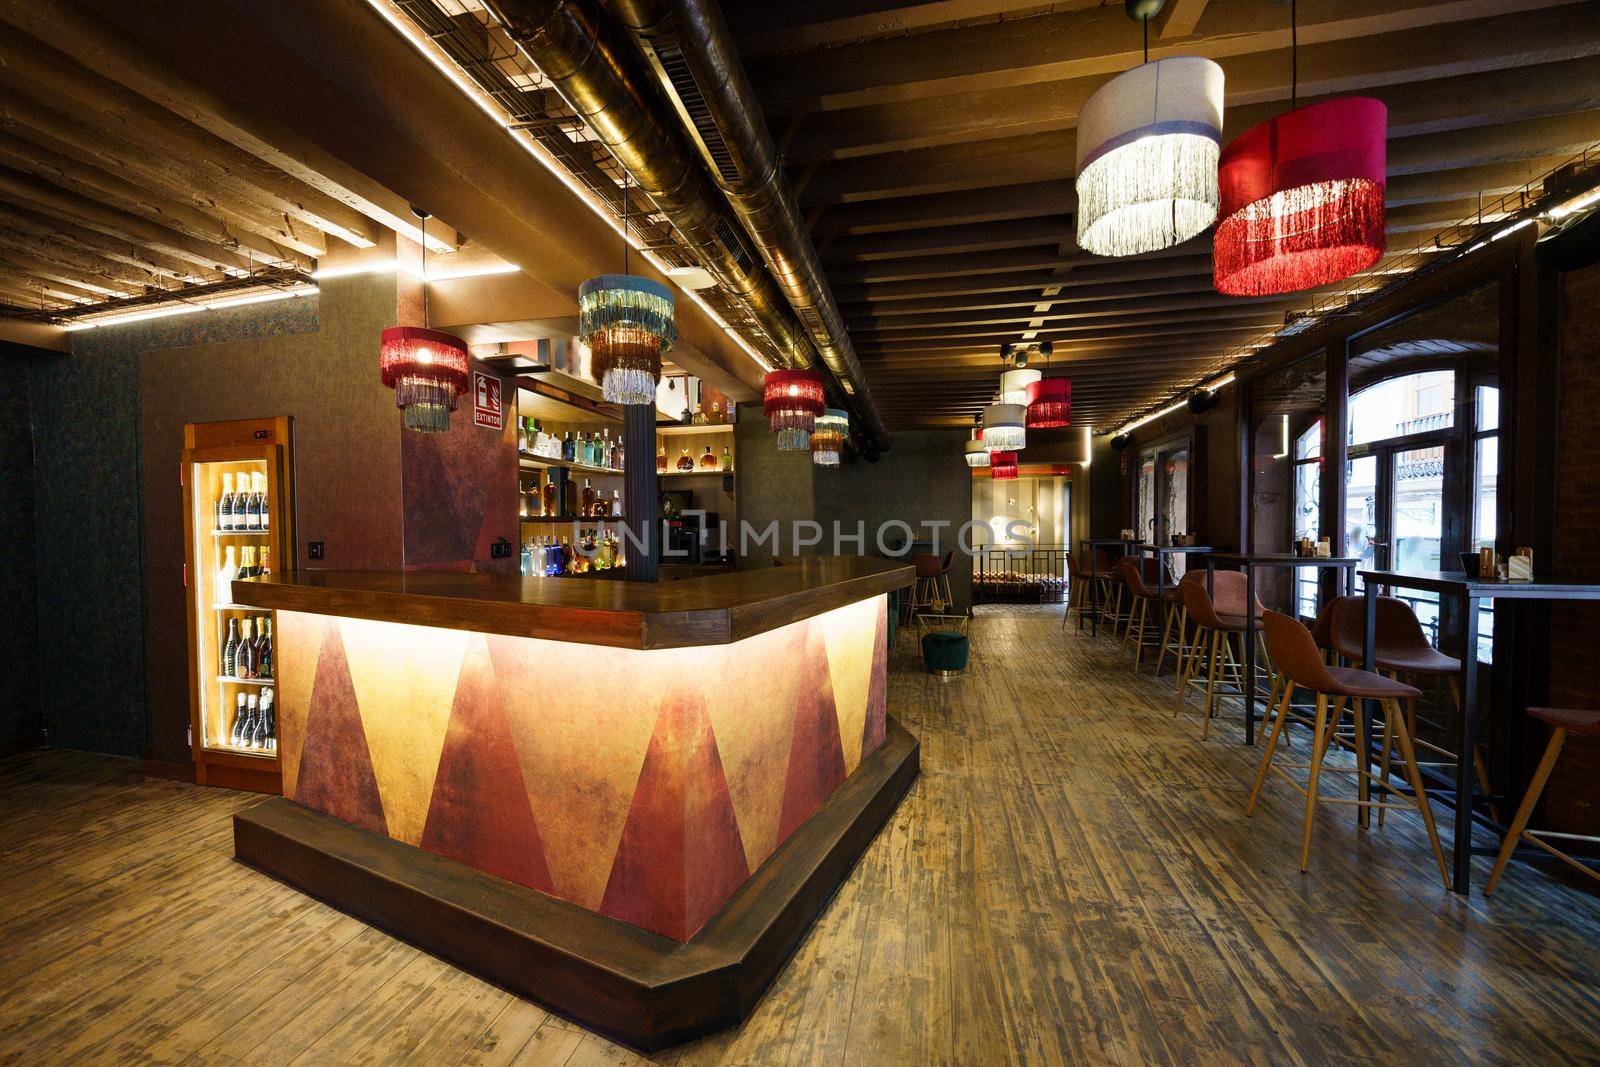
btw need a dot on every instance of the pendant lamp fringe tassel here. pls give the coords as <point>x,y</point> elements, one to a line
<point>1301,238</point>
<point>1148,195</point>
<point>627,322</point>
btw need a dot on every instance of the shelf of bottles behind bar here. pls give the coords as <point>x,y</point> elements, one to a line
<point>246,662</point>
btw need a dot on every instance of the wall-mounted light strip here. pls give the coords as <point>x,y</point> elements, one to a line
<point>1169,409</point>
<point>406,28</point>
<point>190,308</point>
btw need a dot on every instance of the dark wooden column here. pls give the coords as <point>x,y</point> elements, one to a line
<point>640,497</point>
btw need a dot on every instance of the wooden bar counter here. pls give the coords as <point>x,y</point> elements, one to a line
<point>626,801</point>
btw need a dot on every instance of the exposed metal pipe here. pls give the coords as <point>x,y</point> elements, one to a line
<point>695,54</point>
<point>594,66</point>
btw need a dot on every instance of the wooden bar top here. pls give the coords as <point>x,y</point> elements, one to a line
<point>711,610</point>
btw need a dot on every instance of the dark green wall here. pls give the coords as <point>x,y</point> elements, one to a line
<point>21,717</point>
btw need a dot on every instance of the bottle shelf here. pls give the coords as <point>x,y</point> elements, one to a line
<point>242,533</point>
<point>678,429</point>
<point>572,518</point>
<point>528,462</point>
<point>690,474</point>
<point>240,607</point>
<point>242,750</point>
<point>246,681</point>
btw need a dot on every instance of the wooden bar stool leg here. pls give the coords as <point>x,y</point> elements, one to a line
<point>1414,774</point>
<point>1211,683</point>
<point>1383,763</point>
<point>1530,799</point>
<point>1166,635</point>
<point>1272,744</point>
<point>1319,748</point>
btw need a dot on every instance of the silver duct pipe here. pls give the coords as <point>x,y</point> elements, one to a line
<point>694,52</point>
<point>595,68</point>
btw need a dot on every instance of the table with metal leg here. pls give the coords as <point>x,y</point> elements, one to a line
<point>1470,592</point>
<point>1161,553</point>
<point>1248,562</point>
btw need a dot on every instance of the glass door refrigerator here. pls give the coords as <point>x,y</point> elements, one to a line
<point>238,501</point>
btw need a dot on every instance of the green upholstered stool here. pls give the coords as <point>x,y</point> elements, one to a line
<point>944,652</point>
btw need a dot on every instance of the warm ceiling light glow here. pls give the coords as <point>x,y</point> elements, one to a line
<point>1302,199</point>
<point>169,310</point>
<point>1148,145</point>
<point>1049,404</point>
<point>977,452</point>
<point>792,400</point>
<point>427,369</point>
<point>827,437</point>
<point>1003,466</point>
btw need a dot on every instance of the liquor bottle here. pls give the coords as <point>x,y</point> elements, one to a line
<point>525,559</point>
<point>588,498</point>
<point>568,447</point>
<point>717,418</point>
<point>569,498</point>
<point>244,723</point>
<point>605,447</point>
<point>617,458</point>
<point>244,656</point>
<point>258,493</point>
<point>699,417</point>
<point>269,719</point>
<point>240,713</point>
<point>686,461</point>
<point>258,732</point>
<point>661,458</point>
<point>265,496</point>
<point>225,503</point>
<point>264,646</point>
<point>262,568</point>
<point>225,576</point>
<point>708,462</point>
<point>247,563</point>
<point>616,503</point>
<point>229,648</point>
<point>727,459</point>
<point>551,504</point>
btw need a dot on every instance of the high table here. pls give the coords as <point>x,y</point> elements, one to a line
<point>1248,562</point>
<point>1471,591</point>
<point>626,800</point>
<point>1086,548</point>
<point>1161,552</point>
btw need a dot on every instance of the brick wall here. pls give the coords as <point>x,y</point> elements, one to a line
<point>1572,801</point>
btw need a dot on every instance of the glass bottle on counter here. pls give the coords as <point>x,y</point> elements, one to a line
<point>661,458</point>
<point>708,462</point>
<point>727,459</point>
<point>230,648</point>
<point>686,461</point>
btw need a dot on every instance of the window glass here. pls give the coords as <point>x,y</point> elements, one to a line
<point>1488,401</point>
<point>1416,403</point>
<point>1484,500</point>
<point>1361,512</point>
<point>1309,444</point>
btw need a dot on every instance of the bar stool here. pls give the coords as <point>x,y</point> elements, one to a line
<point>1176,627</point>
<point>1562,721</point>
<point>944,579</point>
<point>1078,592</point>
<point>1099,575</point>
<point>1213,639</point>
<point>1295,652</point>
<point>1400,648</point>
<point>925,592</point>
<point>1112,612</point>
<point>1133,579</point>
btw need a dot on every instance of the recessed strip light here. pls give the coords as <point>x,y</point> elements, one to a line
<point>385,266</point>
<point>1170,408</point>
<point>171,310</point>
<point>445,66</point>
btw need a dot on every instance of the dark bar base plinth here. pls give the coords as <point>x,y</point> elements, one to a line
<point>627,983</point>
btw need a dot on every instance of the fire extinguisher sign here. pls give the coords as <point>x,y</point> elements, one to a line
<point>487,409</point>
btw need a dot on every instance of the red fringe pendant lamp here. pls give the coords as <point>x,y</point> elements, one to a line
<point>427,369</point>
<point>1050,404</point>
<point>1003,466</point>
<point>1302,199</point>
<point>792,399</point>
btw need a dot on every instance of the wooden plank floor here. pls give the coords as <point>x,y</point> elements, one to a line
<point>1072,880</point>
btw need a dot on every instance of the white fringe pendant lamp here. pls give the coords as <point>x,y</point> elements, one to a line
<point>977,451</point>
<point>1148,146</point>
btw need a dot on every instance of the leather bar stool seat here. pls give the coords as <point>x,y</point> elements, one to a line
<point>1338,690</point>
<point>1572,720</point>
<point>1213,644</point>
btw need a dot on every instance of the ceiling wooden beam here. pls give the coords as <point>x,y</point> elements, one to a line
<point>205,159</point>
<point>764,27</point>
<point>949,240</point>
<point>1070,45</point>
<point>57,203</point>
<point>50,230</point>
